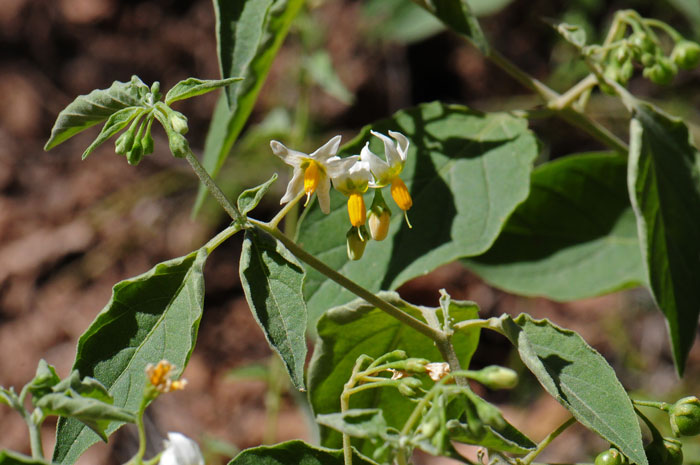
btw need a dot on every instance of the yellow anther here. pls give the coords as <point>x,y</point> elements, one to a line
<point>399,192</point>
<point>312,174</point>
<point>357,210</point>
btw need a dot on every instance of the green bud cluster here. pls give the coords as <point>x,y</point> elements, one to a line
<point>644,49</point>
<point>136,141</point>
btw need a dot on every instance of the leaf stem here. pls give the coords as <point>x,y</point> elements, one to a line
<point>569,114</point>
<point>527,460</point>
<point>571,95</point>
<point>35,436</point>
<point>213,188</point>
<point>286,209</point>
<point>350,285</point>
<point>665,406</point>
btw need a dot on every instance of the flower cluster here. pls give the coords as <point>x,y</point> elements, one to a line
<point>160,377</point>
<point>352,176</point>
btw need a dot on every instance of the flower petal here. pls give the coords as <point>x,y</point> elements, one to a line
<point>295,186</point>
<point>327,150</point>
<point>401,143</point>
<point>377,166</point>
<point>181,450</point>
<point>392,155</point>
<point>352,176</point>
<point>323,194</point>
<point>289,156</point>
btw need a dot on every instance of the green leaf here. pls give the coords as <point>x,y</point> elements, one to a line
<point>87,387</point>
<point>115,123</point>
<point>497,433</point>
<point>87,110</point>
<point>574,237</point>
<point>192,87</point>
<point>95,414</point>
<point>458,16</point>
<point>664,185</point>
<point>358,328</point>
<point>151,317</point>
<point>8,396</point>
<point>249,34</point>
<point>466,172</point>
<point>320,69</point>
<point>272,278</point>
<point>44,380</point>
<point>580,379</point>
<point>250,198</point>
<point>358,423</point>
<point>8,457</point>
<point>298,452</point>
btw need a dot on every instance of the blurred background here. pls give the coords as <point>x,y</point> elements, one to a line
<point>70,229</point>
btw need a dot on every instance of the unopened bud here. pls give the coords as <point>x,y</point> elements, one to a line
<point>147,143</point>
<point>179,122</point>
<point>356,243</point>
<point>416,365</point>
<point>685,416</point>
<point>686,54</point>
<point>178,145</point>
<point>379,220</point>
<point>408,387</point>
<point>135,155</point>
<point>496,377</point>
<point>675,452</point>
<point>124,142</point>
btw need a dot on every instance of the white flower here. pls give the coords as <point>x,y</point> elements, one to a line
<point>395,152</point>
<point>180,450</point>
<point>312,172</point>
<point>352,177</point>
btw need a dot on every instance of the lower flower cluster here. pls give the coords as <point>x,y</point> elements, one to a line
<point>352,176</point>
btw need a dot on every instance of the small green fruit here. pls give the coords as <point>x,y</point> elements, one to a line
<point>611,456</point>
<point>686,54</point>
<point>685,416</point>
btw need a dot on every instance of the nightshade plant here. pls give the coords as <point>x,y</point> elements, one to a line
<point>388,377</point>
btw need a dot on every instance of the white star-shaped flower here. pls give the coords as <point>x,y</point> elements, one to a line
<point>180,450</point>
<point>312,172</point>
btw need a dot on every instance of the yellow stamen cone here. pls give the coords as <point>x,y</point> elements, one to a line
<point>312,173</point>
<point>399,192</point>
<point>357,210</point>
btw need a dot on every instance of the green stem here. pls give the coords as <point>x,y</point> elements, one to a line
<point>350,285</point>
<point>35,437</point>
<point>138,457</point>
<point>217,240</point>
<point>363,387</point>
<point>214,190</point>
<point>286,209</point>
<point>675,35</point>
<point>570,115</point>
<point>571,95</point>
<point>665,406</point>
<point>527,460</point>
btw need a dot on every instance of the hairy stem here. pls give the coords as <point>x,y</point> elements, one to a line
<point>211,186</point>
<point>350,285</point>
<point>570,115</point>
<point>35,438</point>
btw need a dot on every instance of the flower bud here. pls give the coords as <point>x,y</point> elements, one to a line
<point>379,220</point>
<point>497,377</point>
<point>659,74</point>
<point>124,142</point>
<point>642,42</point>
<point>622,53</point>
<point>626,71</point>
<point>611,456</point>
<point>135,155</point>
<point>147,143</point>
<point>408,387</point>
<point>356,243</point>
<point>178,122</point>
<point>416,365</point>
<point>648,59</point>
<point>178,145</point>
<point>686,54</point>
<point>685,416</point>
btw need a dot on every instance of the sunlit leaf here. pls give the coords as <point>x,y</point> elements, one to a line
<point>87,110</point>
<point>271,277</point>
<point>574,237</point>
<point>151,317</point>
<point>191,87</point>
<point>664,185</point>
<point>580,379</point>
